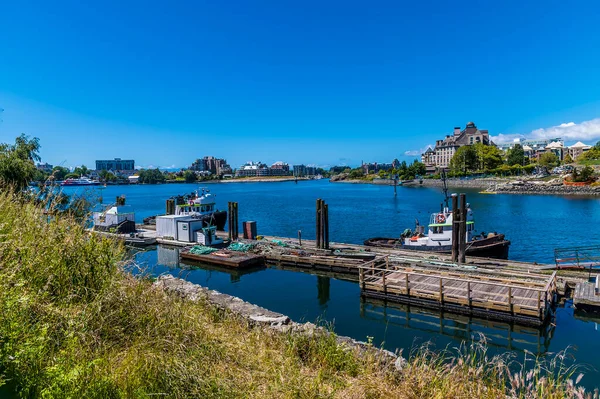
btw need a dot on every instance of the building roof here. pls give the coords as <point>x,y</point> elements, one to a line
<point>527,148</point>
<point>554,144</point>
<point>579,144</point>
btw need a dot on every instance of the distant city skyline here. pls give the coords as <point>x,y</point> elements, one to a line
<point>316,83</point>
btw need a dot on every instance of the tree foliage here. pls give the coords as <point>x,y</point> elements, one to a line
<point>151,176</point>
<point>516,155</point>
<point>568,159</point>
<point>548,159</point>
<point>591,154</point>
<point>190,176</point>
<point>488,156</point>
<point>59,172</point>
<point>17,167</point>
<point>464,159</point>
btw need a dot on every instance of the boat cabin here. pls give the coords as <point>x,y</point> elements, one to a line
<point>439,231</point>
<point>202,204</point>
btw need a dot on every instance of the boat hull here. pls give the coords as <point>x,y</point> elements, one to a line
<point>495,247</point>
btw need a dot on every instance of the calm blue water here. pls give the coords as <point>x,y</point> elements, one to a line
<point>535,225</point>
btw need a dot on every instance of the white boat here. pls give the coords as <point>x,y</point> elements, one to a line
<point>82,181</point>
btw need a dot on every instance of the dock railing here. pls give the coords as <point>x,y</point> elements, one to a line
<point>577,257</point>
<point>531,297</point>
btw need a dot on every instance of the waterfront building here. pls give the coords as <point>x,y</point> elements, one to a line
<point>280,169</point>
<point>44,167</point>
<point>577,149</point>
<point>440,156</point>
<point>215,166</point>
<point>305,171</point>
<point>534,148</point>
<point>116,164</point>
<point>251,169</point>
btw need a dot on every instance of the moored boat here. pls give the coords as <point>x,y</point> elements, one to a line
<point>439,238</point>
<point>201,206</point>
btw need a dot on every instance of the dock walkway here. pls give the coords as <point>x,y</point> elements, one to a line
<point>523,297</point>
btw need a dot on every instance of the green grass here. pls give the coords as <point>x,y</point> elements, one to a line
<point>589,162</point>
<point>75,324</point>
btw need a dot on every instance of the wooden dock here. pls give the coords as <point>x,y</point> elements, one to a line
<point>225,258</point>
<point>585,296</point>
<point>525,298</point>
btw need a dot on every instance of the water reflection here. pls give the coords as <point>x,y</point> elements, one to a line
<point>323,286</point>
<point>499,335</point>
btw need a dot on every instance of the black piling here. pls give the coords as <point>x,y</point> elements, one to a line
<point>170,207</point>
<point>455,227</point>
<point>462,239</point>
<point>233,221</point>
<point>322,219</point>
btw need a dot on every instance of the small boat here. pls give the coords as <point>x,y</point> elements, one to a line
<point>199,206</point>
<point>82,181</point>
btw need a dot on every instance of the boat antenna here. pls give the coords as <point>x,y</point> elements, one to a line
<point>444,186</point>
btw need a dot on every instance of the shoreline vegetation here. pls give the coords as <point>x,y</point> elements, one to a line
<point>512,185</point>
<point>75,322</point>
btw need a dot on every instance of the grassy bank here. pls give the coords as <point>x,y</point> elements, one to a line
<point>74,323</point>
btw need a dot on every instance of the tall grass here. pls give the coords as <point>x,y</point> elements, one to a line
<point>74,324</point>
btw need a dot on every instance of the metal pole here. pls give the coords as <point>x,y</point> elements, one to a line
<point>455,228</point>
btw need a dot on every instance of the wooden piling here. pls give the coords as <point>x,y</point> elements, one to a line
<point>319,220</point>
<point>326,226</point>
<point>462,239</point>
<point>455,228</point>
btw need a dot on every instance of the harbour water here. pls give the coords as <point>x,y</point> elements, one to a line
<point>535,225</point>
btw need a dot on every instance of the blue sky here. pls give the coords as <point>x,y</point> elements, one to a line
<point>312,82</point>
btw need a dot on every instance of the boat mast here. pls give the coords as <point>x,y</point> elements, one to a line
<point>444,186</point>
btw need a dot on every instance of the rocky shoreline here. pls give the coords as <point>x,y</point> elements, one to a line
<point>500,185</point>
<point>261,317</point>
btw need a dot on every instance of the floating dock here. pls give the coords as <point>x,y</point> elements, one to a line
<point>225,258</point>
<point>526,298</point>
<point>587,296</point>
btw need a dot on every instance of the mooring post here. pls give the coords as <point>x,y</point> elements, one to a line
<point>462,247</point>
<point>455,228</point>
<point>318,238</point>
<point>299,237</point>
<point>235,221</point>
<point>326,225</point>
<point>229,221</point>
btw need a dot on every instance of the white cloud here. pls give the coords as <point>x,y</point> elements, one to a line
<point>415,153</point>
<point>585,131</point>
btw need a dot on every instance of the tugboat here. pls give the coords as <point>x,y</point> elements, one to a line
<point>197,205</point>
<point>439,236</point>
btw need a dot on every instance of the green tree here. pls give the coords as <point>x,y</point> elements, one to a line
<point>190,176</point>
<point>81,171</point>
<point>516,155</point>
<point>568,159</point>
<point>488,156</point>
<point>17,167</point>
<point>590,155</point>
<point>151,176</point>
<point>597,146</point>
<point>464,159</point>
<point>59,172</point>
<point>548,159</point>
